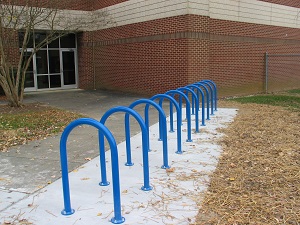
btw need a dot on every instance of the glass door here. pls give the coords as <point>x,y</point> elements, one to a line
<point>69,70</point>
<point>54,66</point>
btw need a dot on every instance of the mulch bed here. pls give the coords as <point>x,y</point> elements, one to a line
<point>257,180</point>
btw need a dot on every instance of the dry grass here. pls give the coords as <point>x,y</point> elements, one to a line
<point>30,122</point>
<point>257,180</point>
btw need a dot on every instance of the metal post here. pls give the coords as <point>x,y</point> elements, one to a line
<point>267,74</point>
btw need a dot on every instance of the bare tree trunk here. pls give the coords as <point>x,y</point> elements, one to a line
<point>10,94</point>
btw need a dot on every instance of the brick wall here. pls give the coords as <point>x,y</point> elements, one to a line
<point>156,56</point>
<point>66,4</point>
<point>11,46</point>
<point>85,51</point>
<point>293,3</point>
<point>239,57</point>
<point>144,68</point>
<point>99,4</point>
<point>283,72</point>
<point>87,5</point>
<point>11,49</point>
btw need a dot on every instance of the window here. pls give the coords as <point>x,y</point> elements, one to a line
<point>54,65</point>
<point>68,41</point>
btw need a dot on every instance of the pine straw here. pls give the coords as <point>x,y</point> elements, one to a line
<point>257,180</point>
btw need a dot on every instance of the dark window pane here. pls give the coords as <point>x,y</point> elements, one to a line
<point>55,81</point>
<point>21,39</point>
<point>25,59</point>
<point>69,68</point>
<point>42,62</point>
<point>29,80</point>
<point>69,77</point>
<point>68,41</point>
<point>39,38</point>
<point>54,44</point>
<point>54,64</point>
<point>29,77</point>
<point>43,82</point>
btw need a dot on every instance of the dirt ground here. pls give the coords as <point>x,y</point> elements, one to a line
<point>257,180</point>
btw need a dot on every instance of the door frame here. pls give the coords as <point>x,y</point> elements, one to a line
<point>34,88</point>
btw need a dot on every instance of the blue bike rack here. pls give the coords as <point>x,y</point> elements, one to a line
<point>211,95</point>
<point>195,89</point>
<point>207,97</point>
<point>145,137</point>
<point>188,111</point>
<point>162,127</point>
<point>199,91</point>
<point>195,101</point>
<point>178,112</point>
<point>117,219</point>
<point>215,92</point>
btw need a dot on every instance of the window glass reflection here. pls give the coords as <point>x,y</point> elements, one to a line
<point>42,62</point>
<point>43,82</point>
<point>54,62</point>
<point>68,41</point>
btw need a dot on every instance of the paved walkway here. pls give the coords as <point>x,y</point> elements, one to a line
<point>30,191</point>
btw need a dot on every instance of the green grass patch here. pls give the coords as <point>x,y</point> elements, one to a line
<point>292,102</point>
<point>295,91</point>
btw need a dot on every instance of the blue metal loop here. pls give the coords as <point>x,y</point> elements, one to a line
<point>207,98</point>
<point>145,138</point>
<point>216,93</point>
<point>114,160</point>
<point>199,90</point>
<point>162,126</point>
<point>195,100</point>
<point>172,101</point>
<point>188,111</point>
<point>211,95</point>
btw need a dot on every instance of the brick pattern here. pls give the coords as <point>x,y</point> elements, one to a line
<point>144,68</point>
<point>225,27</point>
<point>99,4</point>
<point>11,49</point>
<point>230,53</point>
<point>149,67</point>
<point>87,5</point>
<point>85,60</point>
<point>292,3</point>
<point>11,46</point>
<point>66,4</point>
<point>155,27</point>
<point>283,72</point>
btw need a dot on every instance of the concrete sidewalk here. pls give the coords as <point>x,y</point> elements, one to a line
<point>30,189</point>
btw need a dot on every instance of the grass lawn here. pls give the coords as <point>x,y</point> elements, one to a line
<point>286,99</point>
<point>31,122</point>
